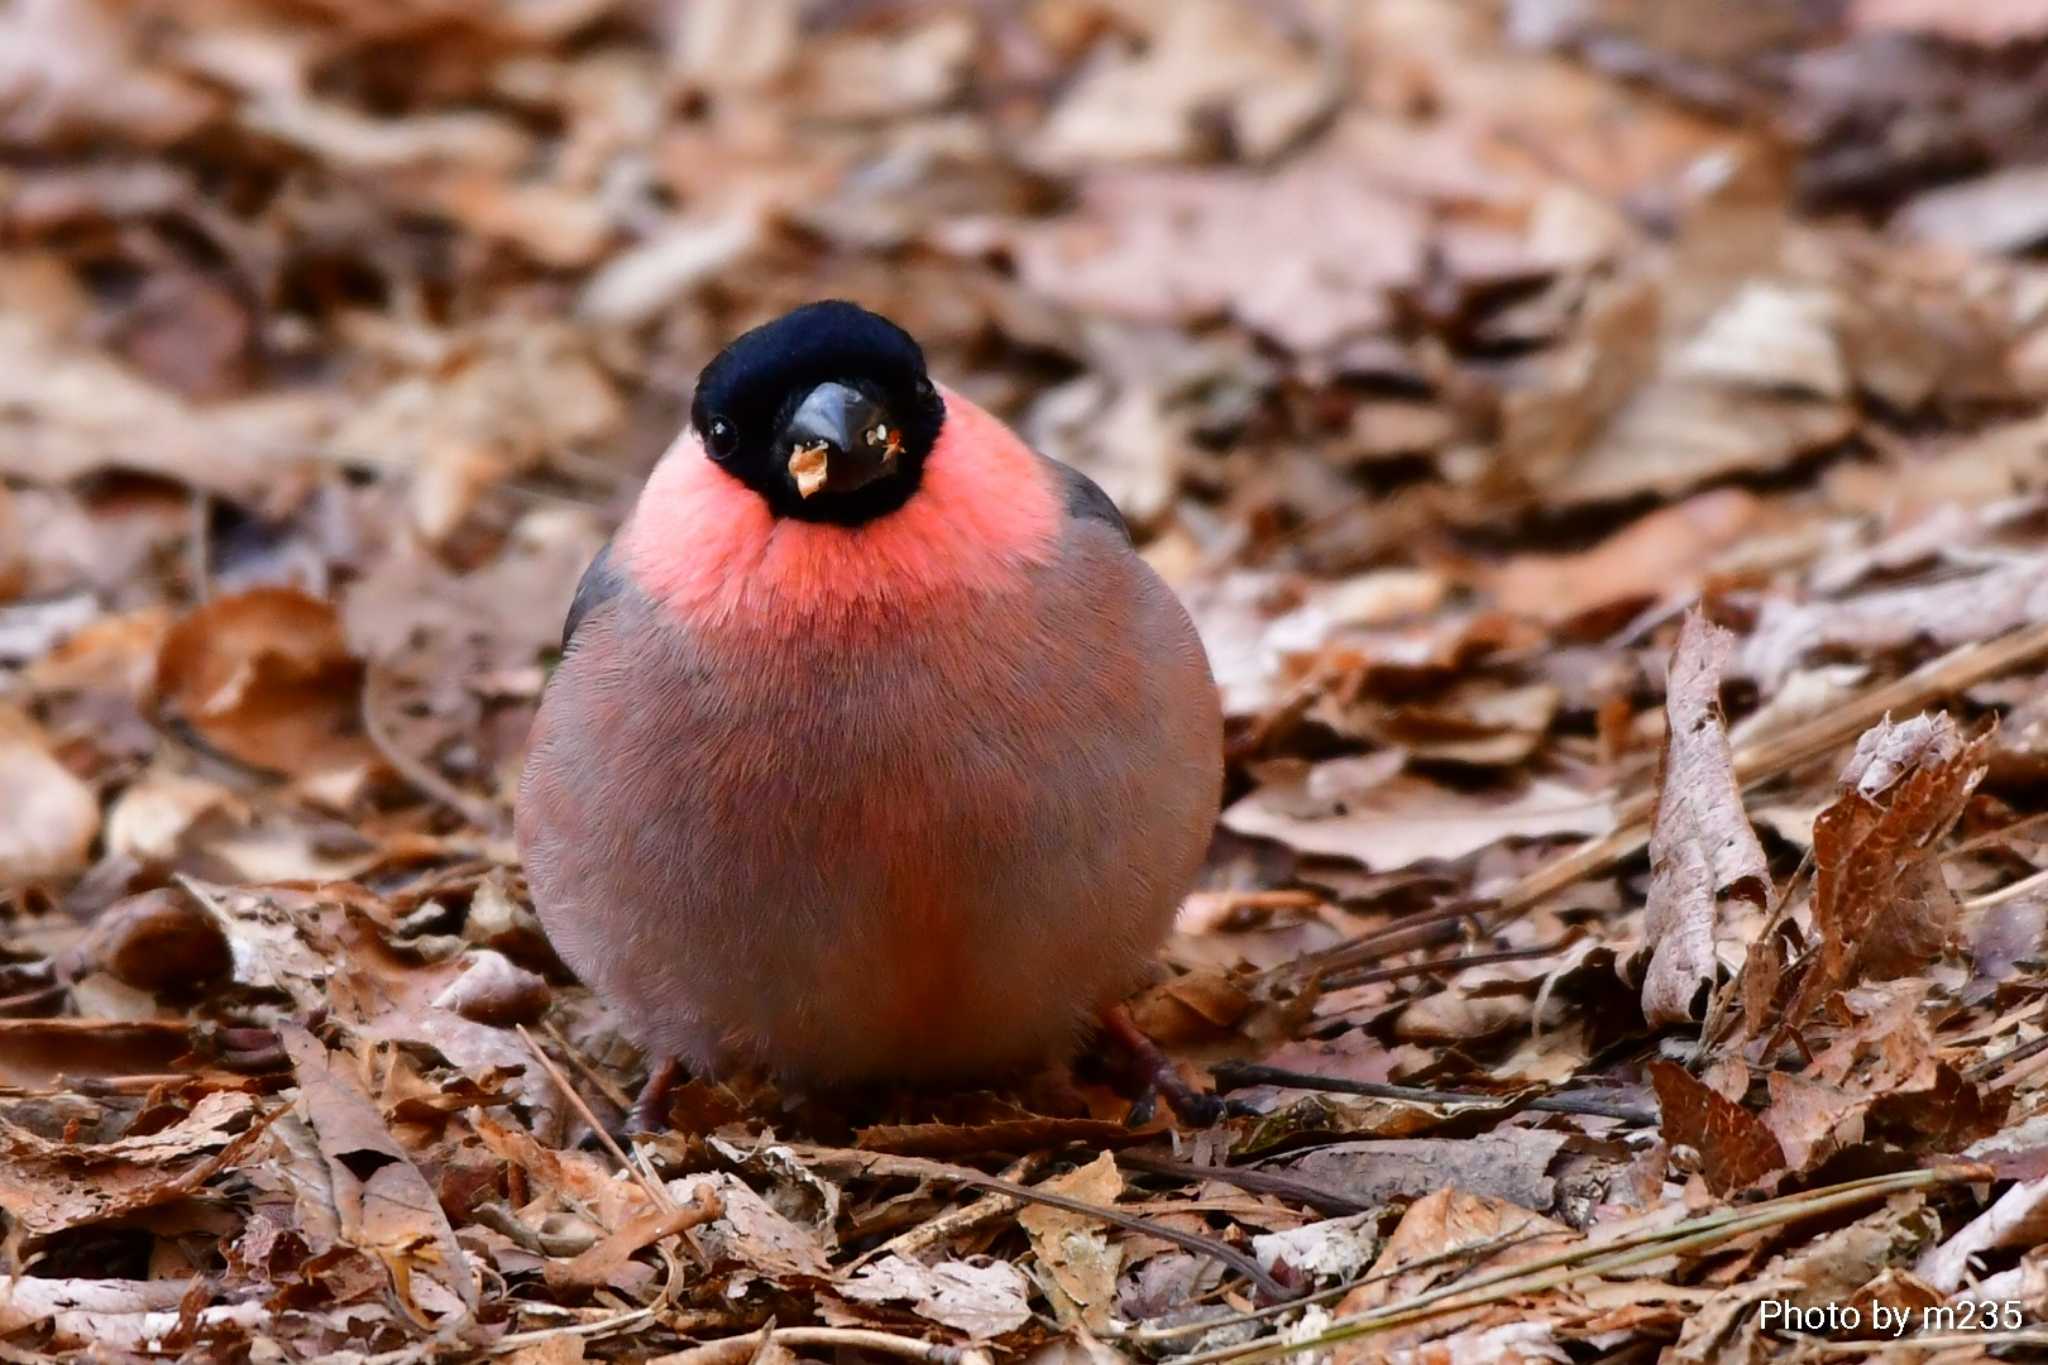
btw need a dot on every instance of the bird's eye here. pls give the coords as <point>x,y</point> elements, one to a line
<point>926,390</point>
<point>723,437</point>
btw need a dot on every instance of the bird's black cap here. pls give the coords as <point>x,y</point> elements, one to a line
<point>826,412</point>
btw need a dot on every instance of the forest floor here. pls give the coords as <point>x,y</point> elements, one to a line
<point>1603,443</point>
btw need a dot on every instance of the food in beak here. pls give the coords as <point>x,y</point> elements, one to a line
<point>807,465</point>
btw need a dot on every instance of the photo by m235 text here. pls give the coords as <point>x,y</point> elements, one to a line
<point>1995,1315</point>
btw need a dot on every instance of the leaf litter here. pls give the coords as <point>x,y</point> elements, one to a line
<point>1605,465</point>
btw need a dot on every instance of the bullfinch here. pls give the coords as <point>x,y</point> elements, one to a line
<point>875,752</point>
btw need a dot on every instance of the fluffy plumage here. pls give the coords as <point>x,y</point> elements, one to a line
<point>855,793</point>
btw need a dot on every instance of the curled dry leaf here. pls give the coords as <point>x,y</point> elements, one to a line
<point>1735,1147</point>
<point>491,990</point>
<point>382,1204</point>
<point>1702,850</point>
<point>1074,1248</point>
<point>596,1265</point>
<point>48,1186</point>
<point>157,940</point>
<point>51,816</point>
<point>266,677</point>
<point>1881,905</point>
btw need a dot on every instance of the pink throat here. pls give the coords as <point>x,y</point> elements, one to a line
<point>707,548</point>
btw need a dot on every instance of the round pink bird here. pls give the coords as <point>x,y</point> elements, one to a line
<point>875,751</point>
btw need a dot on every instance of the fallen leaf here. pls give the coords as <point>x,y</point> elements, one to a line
<point>1989,25</point>
<point>1653,558</point>
<point>492,990</point>
<point>1512,1164</point>
<point>266,677</point>
<point>383,1205</point>
<point>1702,850</point>
<point>1075,1249</point>
<point>1411,820</point>
<point>158,940</point>
<point>1208,58</point>
<point>52,817</point>
<point>48,1186</point>
<point>1736,1149</point>
<point>1881,904</point>
<point>983,1300</point>
<point>597,1265</point>
<point>1945,613</point>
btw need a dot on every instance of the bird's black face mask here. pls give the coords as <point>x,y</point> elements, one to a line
<point>826,412</point>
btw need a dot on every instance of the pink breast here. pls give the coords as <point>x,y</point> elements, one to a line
<point>707,547</point>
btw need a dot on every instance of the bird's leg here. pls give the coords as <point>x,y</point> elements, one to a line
<point>650,1109</point>
<point>1157,1073</point>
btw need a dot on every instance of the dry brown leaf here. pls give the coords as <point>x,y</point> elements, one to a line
<point>69,74</point>
<point>1409,820</point>
<point>1208,59</point>
<point>1074,1249</point>
<point>1881,904</point>
<point>266,677</point>
<point>1172,246</point>
<point>52,816</point>
<point>48,1186</point>
<point>752,1233</point>
<point>1196,1007</point>
<point>1655,557</point>
<point>2009,21</point>
<point>1703,852</point>
<point>597,1265</point>
<point>1674,435</point>
<point>1945,613</point>
<point>158,940</point>
<point>113,1315</point>
<point>1440,1222</point>
<point>1736,1149</point>
<point>2019,1217</point>
<point>493,990</point>
<point>1029,1134</point>
<point>383,1205</point>
<point>1511,1164</point>
<point>983,1300</point>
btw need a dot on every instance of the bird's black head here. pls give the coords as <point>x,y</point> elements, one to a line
<point>826,412</point>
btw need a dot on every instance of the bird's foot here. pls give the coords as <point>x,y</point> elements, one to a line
<point>1159,1077</point>
<point>650,1110</point>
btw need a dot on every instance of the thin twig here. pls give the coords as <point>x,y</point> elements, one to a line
<point>1991,1066</point>
<point>422,777</point>
<point>1934,1341</point>
<point>1323,1200</point>
<point>884,1163</point>
<point>953,1222</point>
<point>2024,886</point>
<point>1962,667</point>
<point>1236,1075</point>
<point>1345,980</point>
<point>576,1101</point>
<point>1552,1272</point>
<point>1473,1252</point>
<point>1424,929</point>
<point>574,1329</point>
<point>574,1056</point>
<point>737,1350</point>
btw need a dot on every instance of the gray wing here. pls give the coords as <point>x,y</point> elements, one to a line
<point>1085,499</point>
<point>601,583</point>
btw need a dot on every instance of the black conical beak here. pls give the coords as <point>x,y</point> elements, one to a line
<point>839,439</point>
